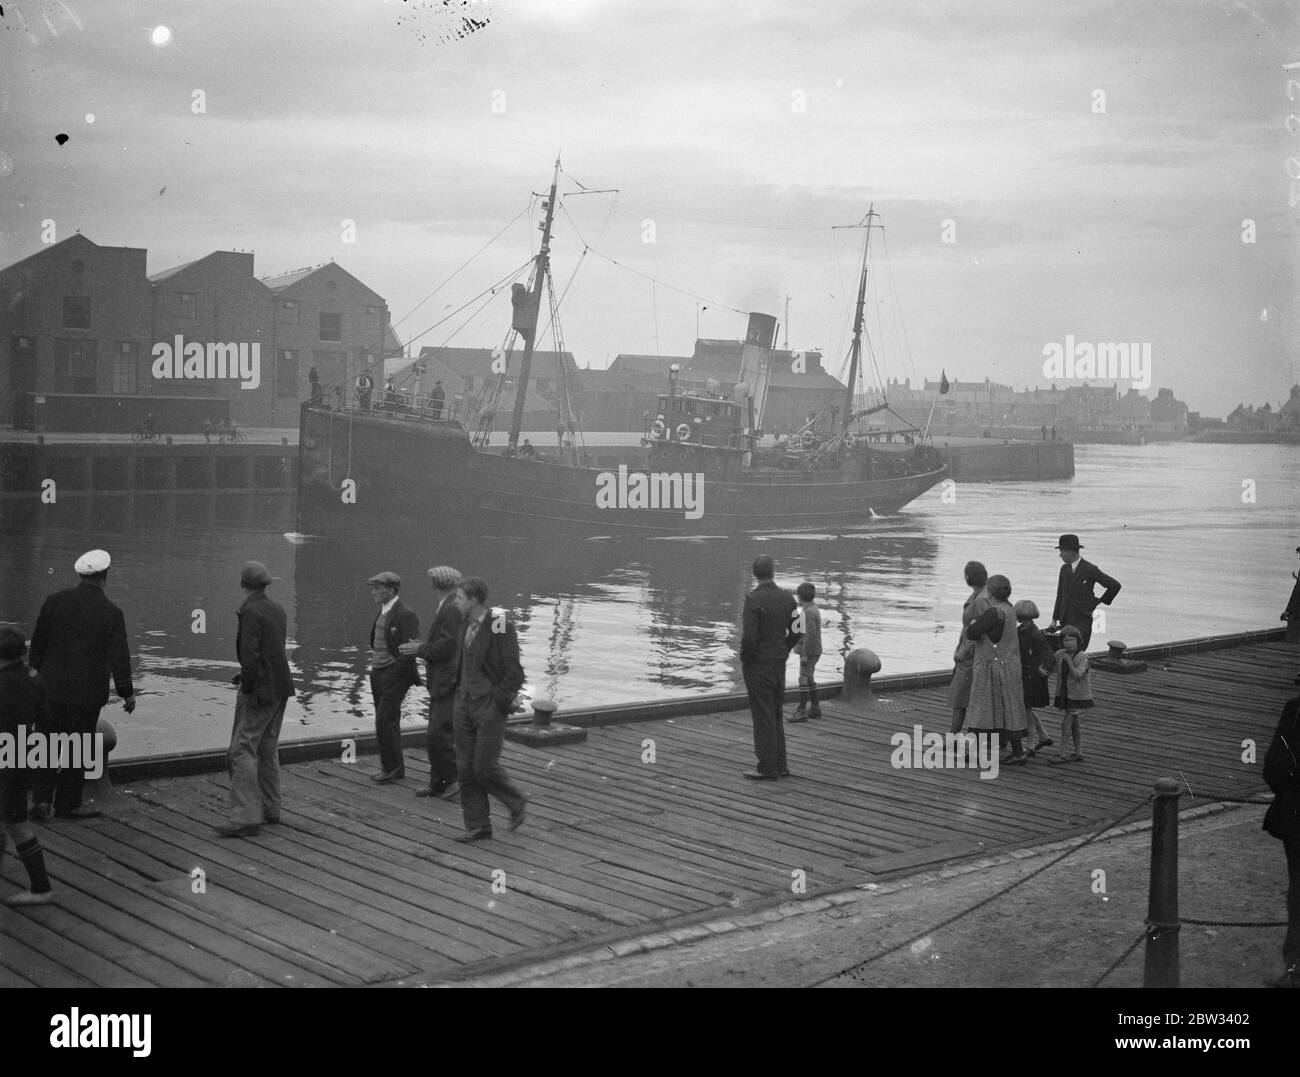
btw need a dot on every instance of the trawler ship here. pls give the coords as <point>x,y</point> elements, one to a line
<point>701,467</point>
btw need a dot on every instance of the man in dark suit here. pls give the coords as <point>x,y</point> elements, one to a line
<point>265,685</point>
<point>78,644</point>
<point>1282,820</point>
<point>436,400</point>
<point>391,673</point>
<point>488,675</point>
<point>765,643</point>
<point>440,652</point>
<point>1075,599</point>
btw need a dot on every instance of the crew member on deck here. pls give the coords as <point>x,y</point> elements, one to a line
<point>391,672</point>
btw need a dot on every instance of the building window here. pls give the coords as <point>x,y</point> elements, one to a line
<point>331,326</point>
<point>126,368</point>
<point>75,368</point>
<point>370,317</point>
<point>286,373</point>
<point>187,304</point>
<point>76,312</point>
<point>286,312</point>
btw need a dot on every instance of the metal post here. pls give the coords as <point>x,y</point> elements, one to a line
<point>1162,905</point>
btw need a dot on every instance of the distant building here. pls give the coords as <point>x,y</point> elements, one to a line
<point>95,344</point>
<point>1169,415</point>
<point>551,375</point>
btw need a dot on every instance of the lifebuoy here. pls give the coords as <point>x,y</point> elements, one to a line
<point>657,428</point>
<point>684,432</point>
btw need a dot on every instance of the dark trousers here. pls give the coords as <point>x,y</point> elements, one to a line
<point>63,788</point>
<point>480,730</point>
<point>440,743</point>
<point>1291,945</point>
<point>1084,625</point>
<point>389,688</point>
<point>253,761</point>
<point>766,687</point>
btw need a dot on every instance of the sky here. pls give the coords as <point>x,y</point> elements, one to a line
<point>1089,168</point>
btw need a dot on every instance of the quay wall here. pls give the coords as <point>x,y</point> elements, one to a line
<point>82,468</point>
<point>1008,461</point>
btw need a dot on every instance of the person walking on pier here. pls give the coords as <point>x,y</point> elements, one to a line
<point>1282,821</point>
<point>391,673</point>
<point>964,656</point>
<point>22,705</point>
<point>365,386</point>
<point>265,685</point>
<point>488,676</point>
<point>436,399</point>
<point>1291,615</point>
<point>1075,599</point>
<point>79,644</point>
<point>1036,661</point>
<point>808,626</point>
<point>440,652</point>
<point>997,691</point>
<point>1073,693</point>
<point>766,640</point>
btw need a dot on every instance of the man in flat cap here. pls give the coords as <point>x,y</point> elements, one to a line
<point>440,652</point>
<point>766,640</point>
<point>79,644</point>
<point>265,685</point>
<point>1075,599</point>
<point>391,673</point>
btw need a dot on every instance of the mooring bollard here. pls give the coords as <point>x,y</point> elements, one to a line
<point>1162,903</point>
<point>1115,662</point>
<point>859,667</point>
<point>543,711</point>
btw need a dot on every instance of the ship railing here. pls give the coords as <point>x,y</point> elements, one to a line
<point>383,404</point>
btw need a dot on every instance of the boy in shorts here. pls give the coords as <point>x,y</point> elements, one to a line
<point>809,649</point>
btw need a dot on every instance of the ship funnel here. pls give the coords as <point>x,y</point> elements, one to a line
<point>761,331</point>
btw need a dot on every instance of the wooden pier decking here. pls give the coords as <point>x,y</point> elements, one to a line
<point>363,884</point>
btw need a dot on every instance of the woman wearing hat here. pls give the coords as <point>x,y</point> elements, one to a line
<point>1036,660</point>
<point>997,693</point>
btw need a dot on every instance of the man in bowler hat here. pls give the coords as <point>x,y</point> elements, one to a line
<point>1075,597</point>
<point>265,685</point>
<point>440,652</point>
<point>391,673</point>
<point>766,640</point>
<point>79,644</point>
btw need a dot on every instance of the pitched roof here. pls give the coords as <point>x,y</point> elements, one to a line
<point>286,280</point>
<point>157,277</point>
<point>477,362</point>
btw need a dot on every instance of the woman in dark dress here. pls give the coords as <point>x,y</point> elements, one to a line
<point>1036,661</point>
<point>997,695</point>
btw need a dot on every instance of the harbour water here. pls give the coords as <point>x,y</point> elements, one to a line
<point>1202,537</point>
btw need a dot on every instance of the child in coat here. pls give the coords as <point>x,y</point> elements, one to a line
<point>1073,692</point>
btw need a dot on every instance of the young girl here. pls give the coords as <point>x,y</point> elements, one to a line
<point>1035,666</point>
<point>1073,692</point>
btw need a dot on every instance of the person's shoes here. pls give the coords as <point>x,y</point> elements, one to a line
<point>237,830</point>
<point>41,813</point>
<point>79,813</point>
<point>427,791</point>
<point>450,790</point>
<point>755,776</point>
<point>1063,758</point>
<point>271,820</point>
<point>26,897</point>
<point>784,774</point>
<point>481,834</point>
<point>517,817</point>
<point>1047,743</point>
<point>814,712</point>
<point>1014,760</point>
<point>443,787</point>
<point>386,776</point>
<point>796,718</point>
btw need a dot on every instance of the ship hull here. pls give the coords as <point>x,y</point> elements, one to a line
<point>430,470</point>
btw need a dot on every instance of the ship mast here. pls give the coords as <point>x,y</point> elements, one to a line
<point>856,351</point>
<point>525,313</point>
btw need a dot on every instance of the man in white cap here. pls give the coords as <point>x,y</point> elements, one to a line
<point>440,652</point>
<point>78,645</point>
<point>265,685</point>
